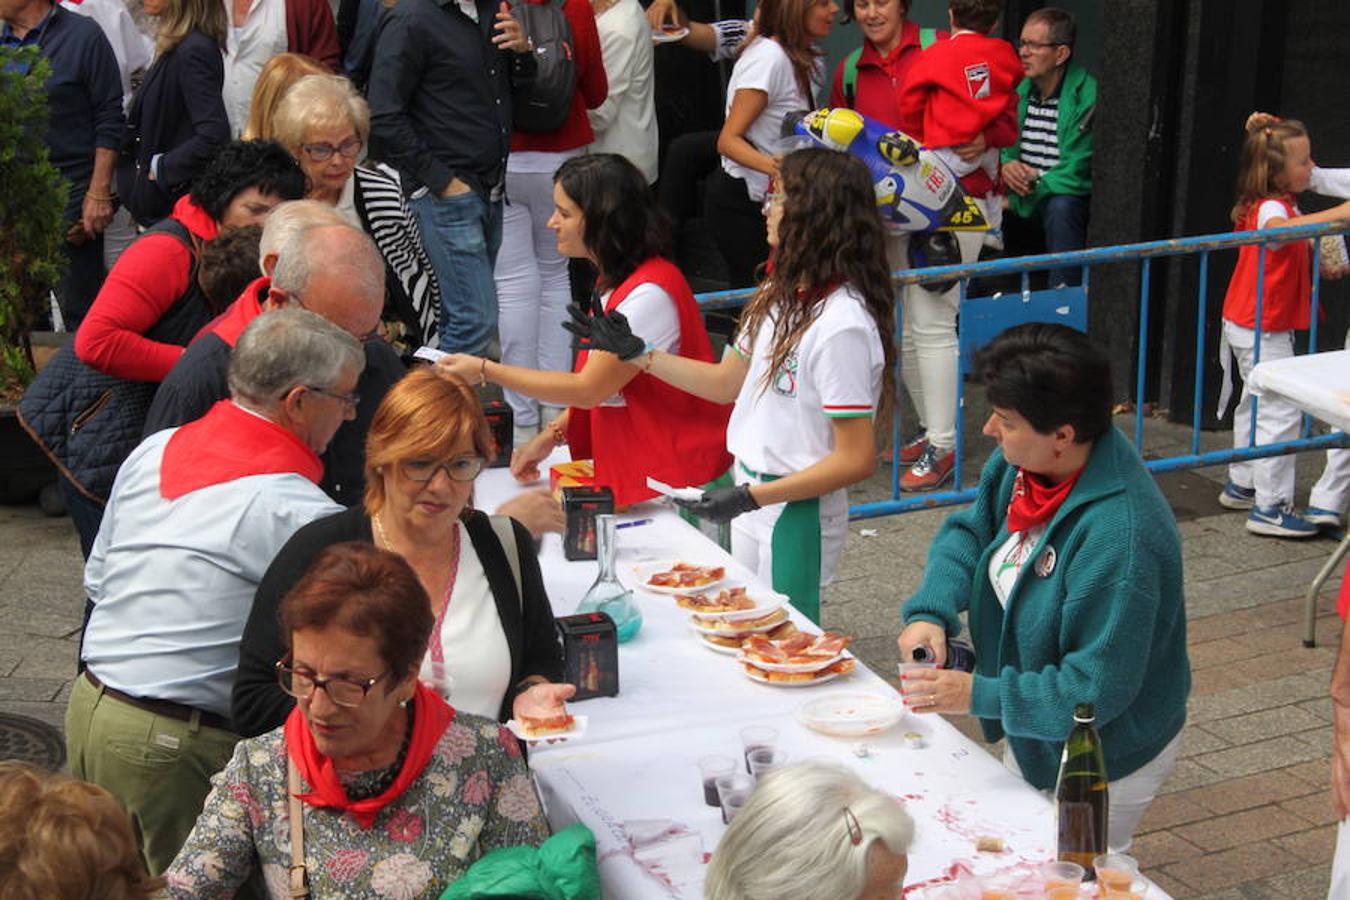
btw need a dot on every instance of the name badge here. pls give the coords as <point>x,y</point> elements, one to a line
<point>1045,563</point>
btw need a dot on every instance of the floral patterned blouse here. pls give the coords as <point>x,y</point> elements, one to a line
<point>475,795</point>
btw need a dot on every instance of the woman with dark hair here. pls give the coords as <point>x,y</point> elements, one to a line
<point>387,790</point>
<point>805,372</point>
<point>176,121</point>
<point>629,423</point>
<point>1069,566</point>
<point>88,405</point>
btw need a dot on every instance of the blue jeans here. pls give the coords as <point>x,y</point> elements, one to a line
<point>461,235</point>
<point>1065,219</point>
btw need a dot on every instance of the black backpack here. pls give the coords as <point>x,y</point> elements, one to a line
<point>541,100</point>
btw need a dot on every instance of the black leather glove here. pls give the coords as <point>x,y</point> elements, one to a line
<point>580,323</point>
<point>611,332</point>
<point>721,504</point>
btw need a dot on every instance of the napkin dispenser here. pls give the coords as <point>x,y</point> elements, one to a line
<point>590,654</point>
<point>580,507</point>
<point>501,422</point>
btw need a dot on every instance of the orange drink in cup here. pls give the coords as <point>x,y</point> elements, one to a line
<point>1116,873</point>
<point>1061,880</point>
<point>998,887</point>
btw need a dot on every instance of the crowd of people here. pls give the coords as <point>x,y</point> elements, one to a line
<point>301,639</point>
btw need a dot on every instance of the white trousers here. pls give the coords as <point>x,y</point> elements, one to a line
<point>1276,419</point>
<point>1332,490</point>
<point>532,286</point>
<point>1340,864</point>
<point>1129,796</point>
<point>929,355</point>
<point>752,534</point>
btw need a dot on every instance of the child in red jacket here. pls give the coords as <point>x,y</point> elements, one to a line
<point>957,88</point>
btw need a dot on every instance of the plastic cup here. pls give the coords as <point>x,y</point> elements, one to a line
<point>764,760</point>
<point>710,767</point>
<point>1062,880</point>
<point>1116,873</point>
<point>911,666</point>
<point>998,887</point>
<point>733,790</point>
<point>754,737</point>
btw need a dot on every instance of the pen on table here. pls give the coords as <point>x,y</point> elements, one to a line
<point>634,524</point>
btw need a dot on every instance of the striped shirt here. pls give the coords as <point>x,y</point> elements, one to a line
<point>1039,147</point>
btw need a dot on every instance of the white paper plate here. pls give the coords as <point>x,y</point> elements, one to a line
<point>718,648</point>
<point>733,628</point>
<point>579,729</point>
<point>666,37</point>
<point>763,606</point>
<point>851,713</point>
<point>646,570</point>
<point>793,684</point>
<point>793,667</point>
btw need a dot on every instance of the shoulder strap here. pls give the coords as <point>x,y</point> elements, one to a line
<point>927,38</point>
<point>506,536</point>
<point>299,875</point>
<point>851,76</point>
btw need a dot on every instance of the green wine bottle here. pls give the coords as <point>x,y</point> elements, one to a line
<point>1081,801</point>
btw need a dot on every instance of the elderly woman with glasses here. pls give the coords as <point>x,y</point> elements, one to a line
<point>374,786</point>
<point>493,651</point>
<point>324,123</point>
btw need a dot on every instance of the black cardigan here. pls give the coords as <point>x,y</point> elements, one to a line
<point>260,705</point>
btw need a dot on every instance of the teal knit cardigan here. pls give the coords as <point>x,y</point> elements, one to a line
<point>1104,624</point>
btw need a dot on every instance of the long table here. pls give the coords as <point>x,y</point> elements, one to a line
<point>633,779</point>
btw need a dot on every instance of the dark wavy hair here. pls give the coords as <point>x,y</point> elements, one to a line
<point>1051,375</point>
<point>241,165</point>
<point>623,225</point>
<point>830,234</point>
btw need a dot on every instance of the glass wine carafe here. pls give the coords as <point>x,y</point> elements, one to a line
<point>608,595</point>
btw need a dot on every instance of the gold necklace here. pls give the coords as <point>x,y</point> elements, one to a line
<point>381,539</point>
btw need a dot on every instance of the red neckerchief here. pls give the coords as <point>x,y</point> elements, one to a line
<point>230,324</point>
<point>229,443</point>
<point>1034,502</point>
<point>431,717</point>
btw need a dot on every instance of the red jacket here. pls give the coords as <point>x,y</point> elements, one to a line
<point>147,279</point>
<point>310,30</point>
<point>957,88</point>
<point>661,432</point>
<point>1286,302</point>
<point>592,86</point>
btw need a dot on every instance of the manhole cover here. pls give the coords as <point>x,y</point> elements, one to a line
<point>31,741</point>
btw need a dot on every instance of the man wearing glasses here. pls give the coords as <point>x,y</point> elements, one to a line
<point>1049,172</point>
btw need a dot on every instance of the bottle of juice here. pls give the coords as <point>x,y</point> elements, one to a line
<point>1081,802</point>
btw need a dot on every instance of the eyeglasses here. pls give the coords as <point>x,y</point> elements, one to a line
<point>1039,45</point>
<point>348,692</point>
<point>349,148</point>
<point>353,400</point>
<point>464,468</point>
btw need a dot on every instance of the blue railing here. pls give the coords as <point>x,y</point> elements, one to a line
<point>1201,246</point>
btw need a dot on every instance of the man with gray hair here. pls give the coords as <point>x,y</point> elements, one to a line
<point>195,517</point>
<point>326,267</point>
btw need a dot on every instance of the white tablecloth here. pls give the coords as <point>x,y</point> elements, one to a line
<point>679,701</point>
<point>1318,383</point>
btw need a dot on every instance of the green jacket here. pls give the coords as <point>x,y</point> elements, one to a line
<point>1073,175</point>
<point>1105,625</point>
<point>562,868</point>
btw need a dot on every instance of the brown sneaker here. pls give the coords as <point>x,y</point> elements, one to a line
<point>932,470</point>
<point>909,452</point>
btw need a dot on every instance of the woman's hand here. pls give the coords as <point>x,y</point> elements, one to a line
<point>525,460</point>
<point>539,511</point>
<point>971,152</point>
<point>542,700</point>
<point>721,504</point>
<point>1019,176</point>
<point>937,690</point>
<point>461,365</point>
<point>922,633</point>
<point>510,35</point>
<point>662,12</point>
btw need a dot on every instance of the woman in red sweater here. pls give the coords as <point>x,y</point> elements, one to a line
<point>531,276</point>
<point>239,187</point>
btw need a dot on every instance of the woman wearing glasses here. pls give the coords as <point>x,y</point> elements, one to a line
<point>493,651</point>
<point>384,788</point>
<point>324,124</point>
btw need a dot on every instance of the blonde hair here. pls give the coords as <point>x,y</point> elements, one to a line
<point>186,16</point>
<point>1261,165</point>
<point>65,838</point>
<point>785,22</point>
<point>319,101</point>
<point>276,77</point>
<point>426,415</point>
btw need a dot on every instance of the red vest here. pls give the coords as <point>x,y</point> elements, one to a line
<point>1286,302</point>
<point>662,431</point>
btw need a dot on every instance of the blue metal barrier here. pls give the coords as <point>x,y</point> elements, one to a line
<point>1041,306</point>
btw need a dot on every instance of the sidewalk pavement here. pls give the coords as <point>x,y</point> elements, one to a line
<point>1246,816</point>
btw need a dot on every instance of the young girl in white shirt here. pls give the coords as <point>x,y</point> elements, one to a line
<point>805,372</point>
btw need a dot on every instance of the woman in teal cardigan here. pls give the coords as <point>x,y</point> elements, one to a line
<point>1069,565</point>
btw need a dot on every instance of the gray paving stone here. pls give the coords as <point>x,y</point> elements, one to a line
<point>1197,741</point>
<point>1320,707</point>
<point>1318,738</point>
<point>53,714</point>
<point>1261,695</point>
<point>37,690</point>
<point>1268,723</point>
<point>1262,756</point>
<point>1308,883</point>
<point>1242,590</point>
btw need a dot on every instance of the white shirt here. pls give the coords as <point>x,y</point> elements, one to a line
<point>346,204</point>
<point>781,424</point>
<point>477,662</point>
<point>132,47</point>
<point>172,581</point>
<point>626,122</point>
<point>249,47</point>
<point>652,316</point>
<point>1008,561</point>
<point>1331,182</point>
<point>764,66</point>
